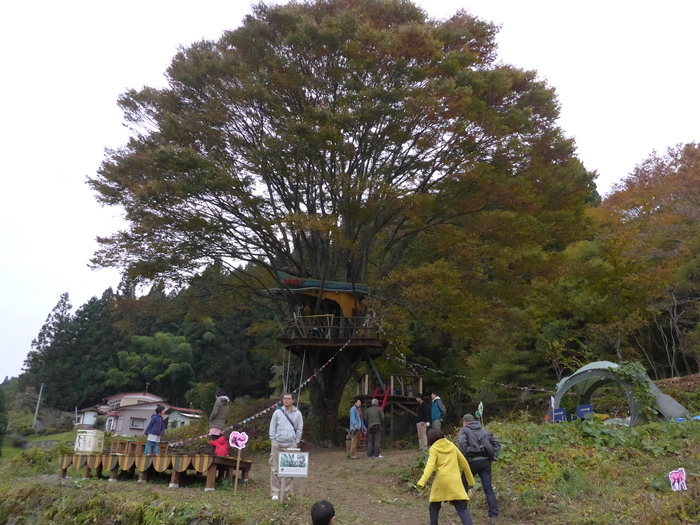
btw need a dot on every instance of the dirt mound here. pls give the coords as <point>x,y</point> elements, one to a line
<point>689,383</point>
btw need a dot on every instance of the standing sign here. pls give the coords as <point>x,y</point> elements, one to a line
<point>677,478</point>
<point>294,464</point>
<point>237,440</point>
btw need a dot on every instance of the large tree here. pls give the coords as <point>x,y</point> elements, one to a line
<point>326,137</point>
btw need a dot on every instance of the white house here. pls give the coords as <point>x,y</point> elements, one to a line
<point>180,417</point>
<point>129,413</point>
<point>87,417</point>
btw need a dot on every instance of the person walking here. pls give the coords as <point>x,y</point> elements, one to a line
<point>437,411</point>
<point>481,448</point>
<point>357,426</point>
<point>374,419</point>
<point>286,428</point>
<point>154,430</point>
<point>423,414</point>
<point>446,459</point>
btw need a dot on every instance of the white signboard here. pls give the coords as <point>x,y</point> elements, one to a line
<point>294,464</point>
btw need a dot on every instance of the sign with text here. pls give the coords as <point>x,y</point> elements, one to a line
<point>294,464</point>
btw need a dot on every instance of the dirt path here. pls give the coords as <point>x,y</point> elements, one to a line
<point>366,491</point>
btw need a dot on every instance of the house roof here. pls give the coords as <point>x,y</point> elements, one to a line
<point>183,410</point>
<point>132,394</point>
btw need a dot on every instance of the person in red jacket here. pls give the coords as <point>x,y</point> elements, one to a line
<point>220,446</point>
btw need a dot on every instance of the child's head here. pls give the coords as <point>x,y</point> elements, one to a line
<point>434,435</point>
<point>322,513</point>
<point>160,409</point>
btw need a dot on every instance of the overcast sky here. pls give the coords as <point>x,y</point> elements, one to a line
<point>625,72</point>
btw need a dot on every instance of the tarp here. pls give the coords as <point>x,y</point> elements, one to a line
<point>587,379</point>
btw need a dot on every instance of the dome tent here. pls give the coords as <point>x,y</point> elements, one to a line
<point>589,378</point>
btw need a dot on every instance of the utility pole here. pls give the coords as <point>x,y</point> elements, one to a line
<point>38,402</point>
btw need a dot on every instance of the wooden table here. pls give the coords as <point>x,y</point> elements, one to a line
<point>177,464</point>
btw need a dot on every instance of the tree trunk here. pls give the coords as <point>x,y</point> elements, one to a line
<point>327,392</point>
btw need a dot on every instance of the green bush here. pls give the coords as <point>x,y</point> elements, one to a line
<point>17,440</point>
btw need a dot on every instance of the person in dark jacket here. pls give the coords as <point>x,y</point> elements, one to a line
<point>217,419</point>
<point>477,444</point>
<point>374,421</point>
<point>423,413</point>
<point>154,430</point>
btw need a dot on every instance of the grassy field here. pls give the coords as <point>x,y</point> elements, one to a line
<point>571,473</point>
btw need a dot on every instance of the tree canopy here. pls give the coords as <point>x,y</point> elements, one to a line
<point>325,137</point>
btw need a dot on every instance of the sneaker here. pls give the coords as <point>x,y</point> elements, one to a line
<point>493,519</point>
<point>379,456</point>
<point>275,497</point>
<point>354,457</point>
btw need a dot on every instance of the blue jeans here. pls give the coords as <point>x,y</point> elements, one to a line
<point>151,445</point>
<point>482,467</point>
<point>459,505</point>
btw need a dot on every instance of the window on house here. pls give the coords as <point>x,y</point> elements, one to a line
<point>137,422</point>
<point>113,405</point>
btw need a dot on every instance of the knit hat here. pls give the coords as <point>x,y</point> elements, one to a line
<point>220,392</point>
<point>468,417</point>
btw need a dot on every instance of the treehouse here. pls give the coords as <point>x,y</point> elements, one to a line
<point>331,330</point>
<point>327,316</point>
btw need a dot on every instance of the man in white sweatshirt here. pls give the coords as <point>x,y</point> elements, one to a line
<point>286,427</point>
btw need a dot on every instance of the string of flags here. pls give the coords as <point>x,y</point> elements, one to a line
<point>268,409</point>
<point>412,366</point>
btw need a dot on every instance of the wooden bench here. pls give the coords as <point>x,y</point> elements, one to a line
<point>177,464</point>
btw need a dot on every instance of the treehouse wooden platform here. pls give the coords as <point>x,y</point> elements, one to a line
<point>177,464</point>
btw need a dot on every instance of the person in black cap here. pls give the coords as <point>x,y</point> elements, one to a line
<point>481,448</point>
<point>423,413</point>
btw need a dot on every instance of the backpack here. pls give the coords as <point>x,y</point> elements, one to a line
<point>479,444</point>
<point>485,443</point>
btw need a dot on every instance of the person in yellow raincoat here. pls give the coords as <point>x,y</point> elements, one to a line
<point>446,459</point>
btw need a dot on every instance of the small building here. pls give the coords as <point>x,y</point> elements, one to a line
<point>181,417</point>
<point>87,417</point>
<point>129,413</point>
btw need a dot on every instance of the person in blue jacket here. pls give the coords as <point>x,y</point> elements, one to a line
<point>357,426</point>
<point>154,430</point>
<point>437,411</point>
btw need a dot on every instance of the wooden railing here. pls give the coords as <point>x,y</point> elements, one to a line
<point>399,385</point>
<point>332,327</point>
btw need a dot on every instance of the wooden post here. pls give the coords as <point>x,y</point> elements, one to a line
<point>283,482</point>
<point>238,466</point>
